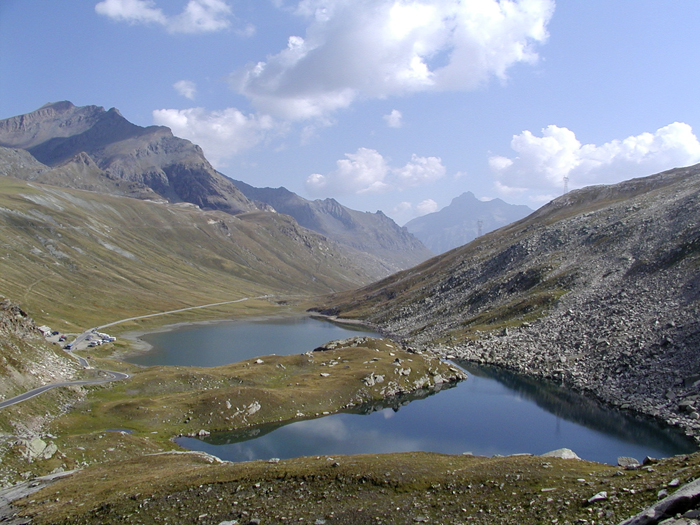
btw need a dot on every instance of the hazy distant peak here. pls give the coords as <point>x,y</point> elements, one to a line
<point>463,220</point>
<point>63,105</point>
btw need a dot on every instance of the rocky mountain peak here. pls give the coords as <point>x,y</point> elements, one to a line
<point>376,237</point>
<point>59,119</point>
<point>147,159</point>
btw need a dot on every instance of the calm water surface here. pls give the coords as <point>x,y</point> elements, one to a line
<point>229,342</point>
<point>492,412</point>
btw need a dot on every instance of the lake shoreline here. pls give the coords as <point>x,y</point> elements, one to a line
<point>138,346</point>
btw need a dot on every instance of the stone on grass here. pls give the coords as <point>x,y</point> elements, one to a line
<point>601,496</point>
<point>626,462</point>
<point>563,453</point>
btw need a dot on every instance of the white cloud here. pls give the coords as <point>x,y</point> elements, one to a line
<point>221,134</point>
<point>405,211</point>
<point>366,171</point>
<point>426,206</point>
<point>202,16</point>
<point>361,172</point>
<point>380,48</point>
<point>199,16</point>
<point>541,163</point>
<point>186,88</point>
<point>421,170</point>
<point>248,31</point>
<point>394,119</point>
<point>402,208</point>
<point>133,11</point>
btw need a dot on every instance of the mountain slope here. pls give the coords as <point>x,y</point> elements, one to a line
<point>371,233</point>
<point>599,289</point>
<point>70,256</point>
<point>92,149</point>
<point>120,157</point>
<point>461,221</point>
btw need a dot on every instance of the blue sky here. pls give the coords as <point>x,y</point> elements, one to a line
<point>382,104</point>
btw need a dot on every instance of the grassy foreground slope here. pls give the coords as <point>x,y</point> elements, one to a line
<point>399,489</point>
<point>76,259</point>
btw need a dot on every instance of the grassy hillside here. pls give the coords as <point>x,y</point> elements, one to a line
<point>76,259</point>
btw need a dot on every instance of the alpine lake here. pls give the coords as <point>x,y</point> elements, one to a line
<point>493,412</point>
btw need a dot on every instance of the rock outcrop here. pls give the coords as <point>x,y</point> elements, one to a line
<point>26,360</point>
<point>105,152</point>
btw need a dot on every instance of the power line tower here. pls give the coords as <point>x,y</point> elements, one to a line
<point>566,184</point>
<point>479,227</point>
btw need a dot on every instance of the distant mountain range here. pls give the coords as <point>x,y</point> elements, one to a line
<point>362,231</point>
<point>463,221</point>
<point>92,149</point>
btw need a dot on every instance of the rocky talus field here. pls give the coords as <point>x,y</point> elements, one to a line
<point>598,290</point>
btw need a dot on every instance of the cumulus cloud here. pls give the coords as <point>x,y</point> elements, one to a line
<point>367,171</point>
<point>133,11</point>
<point>405,211</point>
<point>361,172</point>
<point>380,48</point>
<point>199,16</point>
<point>542,163</point>
<point>186,88</point>
<point>426,206</point>
<point>394,119</point>
<point>420,170</point>
<point>221,134</point>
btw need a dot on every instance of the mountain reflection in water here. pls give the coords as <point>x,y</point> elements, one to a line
<point>393,403</point>
<point>492,412</point>
<point>583,410</point>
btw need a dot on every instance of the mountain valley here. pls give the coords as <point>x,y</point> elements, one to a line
<point>102,220</point>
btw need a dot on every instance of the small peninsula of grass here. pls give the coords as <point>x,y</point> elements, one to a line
<point>158,403</point>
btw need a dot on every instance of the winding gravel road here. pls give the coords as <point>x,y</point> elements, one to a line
<point>113,376</point>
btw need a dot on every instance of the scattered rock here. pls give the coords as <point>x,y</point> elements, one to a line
<point>37,448</point>
<point>563,453</point>
<point>684,499</point>
<point>628,463</point>
<point>601,496</point>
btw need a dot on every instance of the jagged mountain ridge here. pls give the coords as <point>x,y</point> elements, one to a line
<point>92,149</point>
<point>373,233</point>
<point>458,223</point>
<point>599,289</point>
<point>120,156</point>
